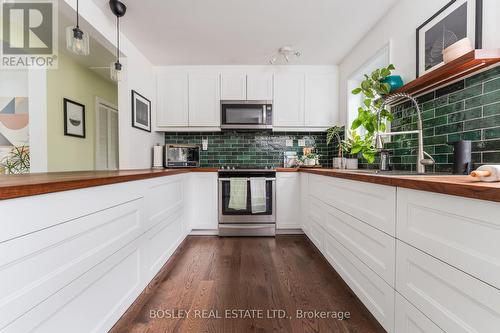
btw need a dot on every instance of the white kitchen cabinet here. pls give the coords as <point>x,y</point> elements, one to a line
<point>82,265</point>
<point>304,200</point>
<point>410,320</point>
<point>460,231</point>
<point>260,86</point>
<point>371,203</point>
<point>202,209</point>
<point>204,100</point>
<point>288,109</point>
<point>288,200</point>
<point>321,100</point>
<point>372,290</point>
<point>172,106</point>
<point>233,86</point>
<point>454,300</point>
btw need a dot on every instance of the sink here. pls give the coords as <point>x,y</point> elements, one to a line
<point>397,173</point>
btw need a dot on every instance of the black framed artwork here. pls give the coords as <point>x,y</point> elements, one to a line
<point>457,20</point>
<point>74,118</point>
<point>141,112</point>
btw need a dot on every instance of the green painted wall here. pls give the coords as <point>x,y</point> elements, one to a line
<point>82,85</point>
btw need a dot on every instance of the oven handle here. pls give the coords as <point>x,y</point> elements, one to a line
<point>227,179</point>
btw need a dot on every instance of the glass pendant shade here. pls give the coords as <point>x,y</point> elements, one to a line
<point>77,41</point>
<point>116,72</point>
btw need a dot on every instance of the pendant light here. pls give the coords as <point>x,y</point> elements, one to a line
<point>77,41</point>
<point>118,8</point>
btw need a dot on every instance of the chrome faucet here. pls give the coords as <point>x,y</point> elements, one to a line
<point>421,154</point>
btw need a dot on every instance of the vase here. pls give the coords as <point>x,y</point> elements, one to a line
<point>395,81</point>
<point>338,163</point>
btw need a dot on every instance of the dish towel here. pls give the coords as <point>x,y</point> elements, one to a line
<point>258,194</point>
<point>237,193</point>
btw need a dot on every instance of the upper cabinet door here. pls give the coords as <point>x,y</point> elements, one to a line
<point>288,108</point>
<point>204,100</point>
<point>172,109</point>
<point>234,86</point>
<point>260,86</point>
<point>321,98</point>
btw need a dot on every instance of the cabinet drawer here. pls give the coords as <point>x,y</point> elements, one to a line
<point>462,232</point>
<point>453,300</point>
<point>410,320</point>
<point>316,235</point>
<point>371,203</point>
<point>372,290</point>
<point>373,247</point>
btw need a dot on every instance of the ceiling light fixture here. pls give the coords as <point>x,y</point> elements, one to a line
<point>118,8</point>
<point>285,53</point>
<point>77,41</point>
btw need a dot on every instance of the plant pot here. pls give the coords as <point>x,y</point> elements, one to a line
<point>351,163</point>
<point>310,162</point>
<point>338,163</point>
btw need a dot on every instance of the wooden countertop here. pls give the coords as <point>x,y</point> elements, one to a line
<point>14,186</point>
<point>463,186</point>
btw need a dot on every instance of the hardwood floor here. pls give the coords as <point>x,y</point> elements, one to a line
<point>217,275</point>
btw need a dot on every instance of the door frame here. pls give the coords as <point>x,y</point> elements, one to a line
<point>101,101</point>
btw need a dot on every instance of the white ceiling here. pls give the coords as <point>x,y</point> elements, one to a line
<point>219,32</point>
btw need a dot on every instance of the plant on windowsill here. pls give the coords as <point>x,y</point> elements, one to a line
<point>333,134</point>
<point>372,89</point>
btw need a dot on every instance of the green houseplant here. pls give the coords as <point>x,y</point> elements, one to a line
<point>372,90</point>
<point>334,134</point>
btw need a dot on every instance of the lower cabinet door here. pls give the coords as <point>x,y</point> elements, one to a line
<point>371,289</point>
<point>410,320</point>
<point>454,300</point>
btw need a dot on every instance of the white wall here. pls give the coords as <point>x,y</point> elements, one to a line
<point>398,27</point>
<point>135,145</point>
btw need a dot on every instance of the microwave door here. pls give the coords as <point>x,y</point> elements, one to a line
<point>237,115</point>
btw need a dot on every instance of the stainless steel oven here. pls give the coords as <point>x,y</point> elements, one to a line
<point>246,115</point>
<point>243,222</point>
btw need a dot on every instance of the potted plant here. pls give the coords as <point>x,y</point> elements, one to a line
<point>309,160</point>
<point>372,88</point>
<point>353,146</point>
<point>17,161</point>
<point>333,134</point>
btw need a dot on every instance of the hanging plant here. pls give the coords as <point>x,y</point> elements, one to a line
<point>372,89</point>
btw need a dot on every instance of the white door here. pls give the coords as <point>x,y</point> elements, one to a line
<point>288,100</point>
<point>172,100</point>
<point>202,201</point>
<point>288,212</point>
<point>204,100</point>
<point>233,86</point>
<point>106,147</point>
<point>321,92</point>
<point>260,86</point>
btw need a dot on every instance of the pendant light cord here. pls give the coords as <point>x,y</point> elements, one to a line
<point>77,19</point>
<point>117,38</point>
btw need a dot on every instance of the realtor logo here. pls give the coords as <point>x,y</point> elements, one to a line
<point>29,34</point>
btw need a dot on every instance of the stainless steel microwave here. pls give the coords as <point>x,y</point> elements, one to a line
<point>247,115</point>
<point>181,156</point>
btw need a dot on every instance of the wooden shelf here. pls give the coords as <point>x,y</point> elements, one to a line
<point>460,67</point>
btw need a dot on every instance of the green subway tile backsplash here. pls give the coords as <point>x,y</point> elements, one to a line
<point>253,149</point>
<point>466,110</point>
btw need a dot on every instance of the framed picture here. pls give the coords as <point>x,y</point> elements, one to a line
<point>457,20</point>
<point>141,112</point>
<point>74,118</point>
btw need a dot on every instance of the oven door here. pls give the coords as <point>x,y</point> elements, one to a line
<point>228,215</point>
<point>241,115</point>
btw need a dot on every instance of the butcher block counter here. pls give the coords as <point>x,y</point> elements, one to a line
<point>13,186</point>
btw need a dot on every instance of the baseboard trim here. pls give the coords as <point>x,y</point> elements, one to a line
<point>294,231</point>
<point>204,232</point>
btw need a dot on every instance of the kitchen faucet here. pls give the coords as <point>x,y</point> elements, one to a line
<point>379,143</point>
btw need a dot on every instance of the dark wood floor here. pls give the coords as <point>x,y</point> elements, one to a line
<point>219,274</point>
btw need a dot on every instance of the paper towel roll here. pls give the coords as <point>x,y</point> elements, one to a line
<point>487,173</point>
<point>158,156</point>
